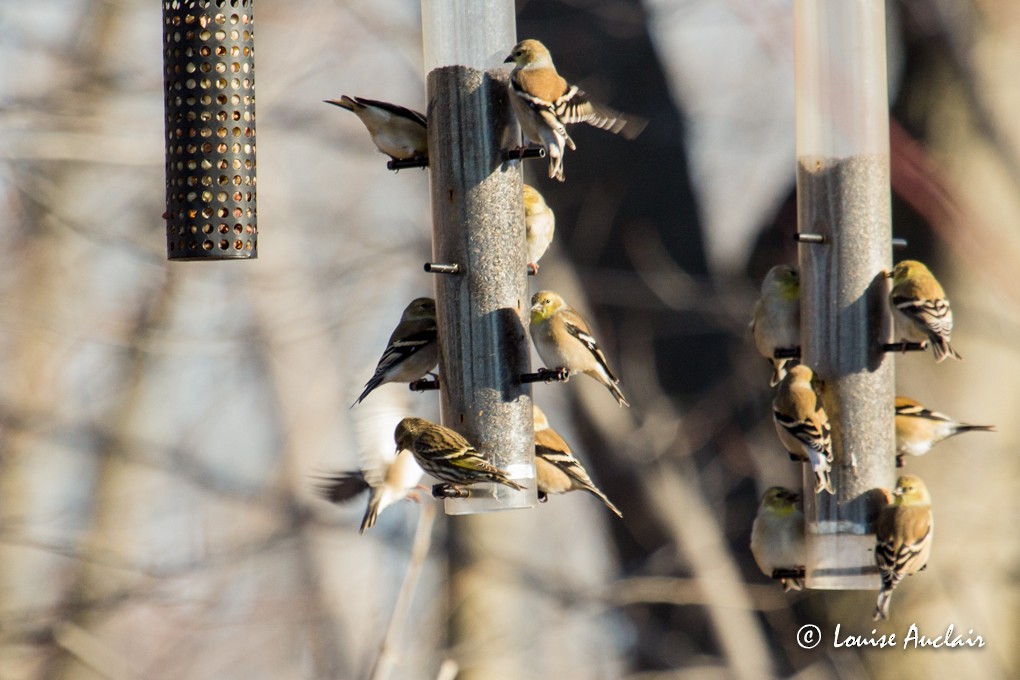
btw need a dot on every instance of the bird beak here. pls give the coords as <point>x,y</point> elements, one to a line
<point>888,275</point>
<point>509,59</point>
<point>794,496</point>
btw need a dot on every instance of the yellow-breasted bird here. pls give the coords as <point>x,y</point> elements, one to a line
<point>777,536</point>
<point>447,455</point>
<point>545,103</point>
<point>919,429</point>
<point>412,350</point>
<point>557,470</point>
<point>775,323</point>
<point>921,309</point>
<point>903,535</point>
<point>540,224</point>
<point>398,132</point>
<point>563,340</point>
<point>803,425</point>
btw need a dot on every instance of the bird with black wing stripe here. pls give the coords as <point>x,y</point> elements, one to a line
<point>412,350</point>
<point>803,425</point>
<point>398,132</point>
<point>545,103</point>
<point>921,309</point>
<point>903,534</point>
<point>447,455</point>
<point>556,468</point>
<point>563,340</point>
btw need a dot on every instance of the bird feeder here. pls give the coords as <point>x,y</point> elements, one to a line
<point>478,241</point>
<point>209,96</point>
<point>843,216</point>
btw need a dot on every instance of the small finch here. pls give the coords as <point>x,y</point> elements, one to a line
<point>446,455</point>
<point>903,534</point>
<point>398,132</point>
<point>545,103</point>
<point>392,482</point>
<point>803,425</point>
<point>776,320</point>
<point>540,224</point>
<point>412,350</point>
<point>777,536</point>
<point>921,309</point>
<point>563,340</point>
<point>918,429</point>
<point>557,469</point>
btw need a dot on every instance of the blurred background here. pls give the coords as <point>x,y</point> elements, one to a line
<point>162,425</point>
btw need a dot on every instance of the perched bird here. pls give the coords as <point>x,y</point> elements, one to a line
<point>776,320</point>
<point>545,103</point>
<point>777,536</point>
<point>392,482</point>
<point>557,469</point>
<point>802,423</point>
<point>922,311</point>
<point>918,429</point>
<point>903,534</point>
<point>540,224</point>
<point>413,348</point>
<point>446,455</point>
<point>563,340</point>
<point>397,132</point>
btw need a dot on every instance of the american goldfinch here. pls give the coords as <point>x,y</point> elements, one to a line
<point>446,455</point>
<point>918,429</point>
<point>777,536</point>
<point>903,534</point>
<point>413,348</point>
<point>922,311</point>
<point>397,132</point>
<point>563,340</point>
<point>803,425</point>
<point>555,466</point>
<point>540,224</point>
<point>776,320</point>
<point>544,103</point>
<point>392,482</point>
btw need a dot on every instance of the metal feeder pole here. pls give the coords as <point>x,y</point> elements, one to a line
<point>843,197</point>
<point>209,97</point>
<point>482,299</point>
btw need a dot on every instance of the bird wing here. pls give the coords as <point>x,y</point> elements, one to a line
<point>394,109</point>
<point>577,328</point>
<point>935,315</point>
<point>401,348</point>
<point>812,432</point>
<point>342,487</point>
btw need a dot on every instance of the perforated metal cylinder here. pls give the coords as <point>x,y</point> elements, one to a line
<point>209,88</point>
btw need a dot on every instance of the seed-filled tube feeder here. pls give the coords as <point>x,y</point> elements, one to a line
<point>843,196</point>
<point>478,225</point>
<point>209,97</point>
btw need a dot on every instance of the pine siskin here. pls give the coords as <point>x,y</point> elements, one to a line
<point>446,455</point>
<point>412,350</point>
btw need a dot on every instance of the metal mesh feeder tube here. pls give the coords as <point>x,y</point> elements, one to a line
<point>209,98</point>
